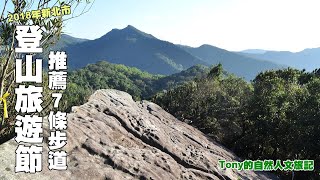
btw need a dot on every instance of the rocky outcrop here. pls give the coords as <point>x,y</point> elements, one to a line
<point>113,137</point>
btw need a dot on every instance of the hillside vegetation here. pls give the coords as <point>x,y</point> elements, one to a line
<point>274,117</point>
<point>104,75</point>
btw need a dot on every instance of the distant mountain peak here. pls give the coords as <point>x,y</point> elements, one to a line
<point>131,27</point>
<point>205,45</point>
<point>208,46</point>
<point>254,51</point>
<point>132,31</point>
<point>132,47</point>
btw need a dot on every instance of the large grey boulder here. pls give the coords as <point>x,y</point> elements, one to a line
<point>113,137</point>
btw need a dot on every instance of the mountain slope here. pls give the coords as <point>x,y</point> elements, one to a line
<point>235,63</point>
<point>308,59</point>
<point>66,40</point>
<point>171,81</point>
<point>139,84</point>
<point>132,47</point>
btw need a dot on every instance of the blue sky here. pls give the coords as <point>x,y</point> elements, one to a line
<point>230,24</point>
<point>171,20</point>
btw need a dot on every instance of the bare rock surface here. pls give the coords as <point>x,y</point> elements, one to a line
<point>113,137</point>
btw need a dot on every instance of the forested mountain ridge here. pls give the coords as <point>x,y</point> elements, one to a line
<point>133,48</point>
<point>240,65</point>
<point>307,59</point>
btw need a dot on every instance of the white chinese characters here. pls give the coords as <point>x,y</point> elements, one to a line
<point>29,125</point>
<point>29,129</point>
<point>28,39</point>
<point>29,101</point>
<point>57,64</point>
<point>29,77</point>
<point>28,159</point>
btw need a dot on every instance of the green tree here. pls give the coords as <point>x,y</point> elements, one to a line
<point>283,118</point>
<point>213,104</point>
<point>274,117</point>
<point>53,28</point>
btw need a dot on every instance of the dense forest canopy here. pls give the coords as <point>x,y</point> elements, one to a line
<point>276,116</point>
<point>140,84</point>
